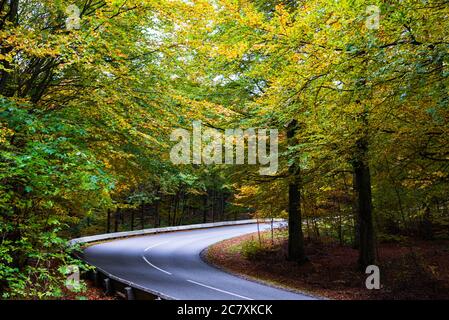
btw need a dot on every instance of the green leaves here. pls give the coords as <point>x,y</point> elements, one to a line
<point>85,114</point>
<point>45,178</point>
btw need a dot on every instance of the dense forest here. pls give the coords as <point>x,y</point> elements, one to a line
<point>91,90</point>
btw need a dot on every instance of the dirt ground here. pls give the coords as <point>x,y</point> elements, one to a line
<point>417,271</point>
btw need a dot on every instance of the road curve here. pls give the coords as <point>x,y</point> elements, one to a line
<point>170,263</point>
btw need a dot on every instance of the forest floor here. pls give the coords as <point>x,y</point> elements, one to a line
<point>416,271</point>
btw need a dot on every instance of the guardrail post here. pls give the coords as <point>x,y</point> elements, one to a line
<point>107,286</point>
<point>95,278</point>
<point>129,293</point>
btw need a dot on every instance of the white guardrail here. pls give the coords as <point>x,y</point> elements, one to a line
<point>143,232</point>
<point>132,291</point>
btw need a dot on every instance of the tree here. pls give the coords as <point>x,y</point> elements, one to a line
<point>295,234</point>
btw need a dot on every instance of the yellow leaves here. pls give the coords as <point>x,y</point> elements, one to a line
<point>326,188</point>
<point>234,51</point>
<point>107,164</point>
<point>283,18</point>
<point>252,17</point>
<point>147,139</point>
<point>5,133</point>
<point>199,109</point>
<point>440,174</point>
<point>30,42</point>
<point>246,192</point>
<point>423,178</point>
<point>7,58</point>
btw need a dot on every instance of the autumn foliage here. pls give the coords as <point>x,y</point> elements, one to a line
<point>86,112</point>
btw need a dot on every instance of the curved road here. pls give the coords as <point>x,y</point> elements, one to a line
<point>170,263</point>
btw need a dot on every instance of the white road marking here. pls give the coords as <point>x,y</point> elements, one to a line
<point>155,245</point>
<point>146,260</point>
<point>155,266</point>
<point>219,290</point>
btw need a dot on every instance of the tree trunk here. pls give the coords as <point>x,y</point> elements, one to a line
<point>213,205</point>
<point>175,209</point>
<point>340,226</point>
<point>142,216</point>
<point>362,184</point>
<point>116,218</point>
<point>426,224</point>
<point>183,210</point>
<point>355,214</point>
<point>222,206</point>
<point>205,208</point>
<point>309,234</point>
<point>108,222</point>
<point>172,204</point>
<point>157,221</point>
<point>316,229</point>
<point>11,17</point>
<point>295,235</point>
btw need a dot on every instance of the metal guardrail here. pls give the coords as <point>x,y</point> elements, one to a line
<point>125,234</point>
<point>125,289</point>
<point>122,288</point>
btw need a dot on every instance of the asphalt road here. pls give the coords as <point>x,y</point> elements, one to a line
<point>170,263</point>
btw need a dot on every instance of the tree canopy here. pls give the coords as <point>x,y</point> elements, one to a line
<point>90,91</point>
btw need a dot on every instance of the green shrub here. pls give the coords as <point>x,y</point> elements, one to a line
<point>251,249</point>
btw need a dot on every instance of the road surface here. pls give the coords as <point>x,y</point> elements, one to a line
<point>170,263</point>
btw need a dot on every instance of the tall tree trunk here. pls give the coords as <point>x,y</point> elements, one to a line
<point>340,215</point>
<point>175,209</point>
<point>308,228</point>
<point>116,218</point>
<point>205,208</point>
<point>355,214</point>
<point>316,229</point>
<point>367,252</point>
<point>183,211</point>
<point>11,17</point>
<point>213,205</point>
<point>353,235</point>
<point>142,216</point>
<point>426,224</point>
<point>222,206</point>
<point>172,204</point>
<point>108,221</point>
<point>157,221</point>
<point>340,225</point>
<point>295,234</point>
<point>132,219</point>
